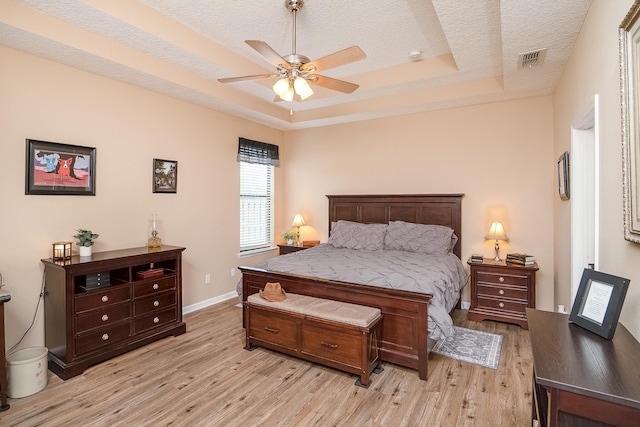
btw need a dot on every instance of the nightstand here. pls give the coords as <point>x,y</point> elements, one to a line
<point>501,291</point>
<point>287,249</point>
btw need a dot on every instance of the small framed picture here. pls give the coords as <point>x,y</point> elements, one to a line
<point>165,176</point>
<point>598,302</point>
<point>563,176</point>
<point>60,169</point>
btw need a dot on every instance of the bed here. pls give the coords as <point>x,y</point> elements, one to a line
<point>405,313</point>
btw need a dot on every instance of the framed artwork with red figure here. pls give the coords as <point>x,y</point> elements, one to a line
<point>60,169</point>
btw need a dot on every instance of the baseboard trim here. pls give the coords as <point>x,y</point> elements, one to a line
<point>209,302</point>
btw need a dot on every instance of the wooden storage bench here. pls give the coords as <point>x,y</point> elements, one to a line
<point>333,333</point>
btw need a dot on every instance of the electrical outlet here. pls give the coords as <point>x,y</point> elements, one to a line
<point>233,272</point>
<point>207,278</point>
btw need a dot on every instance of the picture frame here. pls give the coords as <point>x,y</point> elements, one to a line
<point>598,302</point>
<point>54,168</point>
<point>563,176</point>
<point>629,43</point>
<point>165,176</point>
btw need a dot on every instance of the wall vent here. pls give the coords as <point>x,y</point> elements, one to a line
<point>532,59</point>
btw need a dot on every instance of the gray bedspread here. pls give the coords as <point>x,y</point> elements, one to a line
<point>442,276</point>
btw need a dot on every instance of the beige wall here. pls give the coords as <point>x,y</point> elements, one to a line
<point>499,155</point>
<point>129,127</point>
<point>593,69</point>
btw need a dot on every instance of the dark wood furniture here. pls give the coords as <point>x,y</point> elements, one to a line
<point>501,291</point>
<point>287,249</point>
<point>89,320</point>
<point>580,378</point>
<point>317,338</point>
<point>404,329</point>
<point>5,296</point>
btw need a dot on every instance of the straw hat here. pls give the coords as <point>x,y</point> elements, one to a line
<point>273,292</point>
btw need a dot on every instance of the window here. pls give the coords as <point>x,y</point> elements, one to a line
<point>257,160</point>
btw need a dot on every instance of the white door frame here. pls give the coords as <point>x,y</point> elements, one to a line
<point>584,178</point>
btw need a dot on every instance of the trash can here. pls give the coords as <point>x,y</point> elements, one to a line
<point>27,371</point>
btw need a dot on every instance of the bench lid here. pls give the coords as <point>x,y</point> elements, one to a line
<point>337,311</point>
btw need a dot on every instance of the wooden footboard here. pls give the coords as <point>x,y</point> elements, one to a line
<point>404,322</point>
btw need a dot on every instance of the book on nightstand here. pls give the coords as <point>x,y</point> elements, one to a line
<point>476,258</point>
<point>520,259</point>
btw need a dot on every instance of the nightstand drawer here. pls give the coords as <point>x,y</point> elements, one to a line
<point>502,304</point>
<point>501,278</point>
<point>512,292</point>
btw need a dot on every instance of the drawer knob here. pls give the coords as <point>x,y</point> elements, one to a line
<point>156,320</point>
<point>105,298</point>
<point>501,305</point>
<point>268,329</point>
<point>156,303</point>
<point>105,317</point>
<point>326,344</point>
<point>105,337</point>
<point>155,286</point>
<point>501,292</point>
<point>501,279</point>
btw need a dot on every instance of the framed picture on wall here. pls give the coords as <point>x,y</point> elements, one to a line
<point>598,302</point>
<point>165,176</point>
<point>563,176</point>
<point>60,169</point>
<point>629,41</point>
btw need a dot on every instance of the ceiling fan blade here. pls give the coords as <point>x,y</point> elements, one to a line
<point>242,78</point>
<point>335,84</point>
<point>342,57</point>
<point>271,55</point>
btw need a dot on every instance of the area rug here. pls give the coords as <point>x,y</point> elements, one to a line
<point>480,348</point>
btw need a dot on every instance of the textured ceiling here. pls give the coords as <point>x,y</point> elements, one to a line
<point>469,50</point>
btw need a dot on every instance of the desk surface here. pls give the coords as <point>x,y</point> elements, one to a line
<point>568,357</point>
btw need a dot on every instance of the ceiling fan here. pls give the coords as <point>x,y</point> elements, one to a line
<point>295,72</point>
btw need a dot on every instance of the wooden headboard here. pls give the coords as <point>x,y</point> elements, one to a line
<point>439,209</point>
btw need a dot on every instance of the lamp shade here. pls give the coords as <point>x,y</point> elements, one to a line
<point>298,220</point>
<point>280,87</point>
<point>496,232</point>
<point>302,88</point>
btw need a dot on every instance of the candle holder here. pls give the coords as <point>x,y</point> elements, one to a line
<point>154,242</point>
<point>61,251</point>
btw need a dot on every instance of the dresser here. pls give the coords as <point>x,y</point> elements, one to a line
<point>110,303</point>
<point>579,378</point>
<point>501,291</point>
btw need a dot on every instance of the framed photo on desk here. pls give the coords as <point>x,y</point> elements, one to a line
<point>598,302</point>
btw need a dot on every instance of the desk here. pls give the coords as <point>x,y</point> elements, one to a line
<point>5,296</point>
<point>579,376</point>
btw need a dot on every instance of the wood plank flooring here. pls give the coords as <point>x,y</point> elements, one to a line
<point>206,378</point>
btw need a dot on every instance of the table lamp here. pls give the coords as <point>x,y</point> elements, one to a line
<point>298,221</point>
<point>496,232</point>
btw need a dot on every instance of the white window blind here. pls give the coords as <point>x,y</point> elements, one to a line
<point>256,206</point>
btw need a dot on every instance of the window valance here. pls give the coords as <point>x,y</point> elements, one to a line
<point>258,152</point>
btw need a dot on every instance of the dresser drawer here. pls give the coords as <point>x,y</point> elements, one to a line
<point>501,304</point>
<point>331,345</point>
<point>501,278</point>
<point>155,319</point>
<point>513,292</point>
<point>273,328</point>
<point>88,342</point>
<point>103,316</point>
<point>101,298</point>
<point>152,286</point>
<point>154,302</point>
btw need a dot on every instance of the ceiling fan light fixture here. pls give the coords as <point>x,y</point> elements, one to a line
<point>288,96</point>
<point>281,87</point>
<point>302,88</point>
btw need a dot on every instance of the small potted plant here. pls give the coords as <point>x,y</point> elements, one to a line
<point>289,236</point>
<point>85,241</point>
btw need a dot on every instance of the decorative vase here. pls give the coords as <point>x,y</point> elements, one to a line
<point>154,243</point>
<point>85,250</point>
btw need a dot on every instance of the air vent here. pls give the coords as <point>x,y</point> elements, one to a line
<point>532,59</point>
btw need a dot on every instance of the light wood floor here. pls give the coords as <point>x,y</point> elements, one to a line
<point>206,378</point>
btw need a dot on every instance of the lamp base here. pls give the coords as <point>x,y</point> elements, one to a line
<point>497,248</point>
